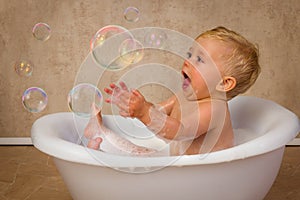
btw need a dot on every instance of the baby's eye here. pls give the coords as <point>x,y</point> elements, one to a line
<point>188,54</point>
<point>199,59</point>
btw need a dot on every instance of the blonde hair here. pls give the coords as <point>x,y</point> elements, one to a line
<point>242,61</point>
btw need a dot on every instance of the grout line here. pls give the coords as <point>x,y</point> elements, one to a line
<point>16,174</point>
<point>34,191</point>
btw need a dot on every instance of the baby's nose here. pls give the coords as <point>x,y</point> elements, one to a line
<point>188,63</point>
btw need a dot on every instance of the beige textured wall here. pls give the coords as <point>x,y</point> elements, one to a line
<point>273,24</point>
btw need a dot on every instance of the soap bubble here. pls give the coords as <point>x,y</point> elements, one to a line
<point>34,99</point>
<point>41,31</point>
<point>24,68</point>
<point>82,98</point>
<point>131,51</point>
<point>132,14</point>
<point>104,33</point>
<point>155,38</point>
<point>105,46</point>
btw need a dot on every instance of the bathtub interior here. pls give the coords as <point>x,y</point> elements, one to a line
<point>249,122</point>
<point>131,129</point>
<point>260,126</point>
<point>136,132</point>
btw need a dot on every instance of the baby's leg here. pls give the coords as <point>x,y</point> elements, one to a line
<point>93,130</point>
<point>96,132</point>
<point>94,143</point>
<point>122,146</point>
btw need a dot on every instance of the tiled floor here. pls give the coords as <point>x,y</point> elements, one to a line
<point>27,174</point>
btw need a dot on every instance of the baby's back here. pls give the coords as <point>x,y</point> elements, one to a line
<point>219,134</point>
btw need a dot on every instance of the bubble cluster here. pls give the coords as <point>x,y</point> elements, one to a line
<point>34,99</point>
<point>104,33</point>
<point>131,51</point>
<point>155,38</point>
<point>105,46</point>
<point>41,31</point>
<point>131,14</point>
<point>82,98</point>
<point>24,68</point>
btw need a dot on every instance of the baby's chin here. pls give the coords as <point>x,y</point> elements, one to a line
<point>189,94</point>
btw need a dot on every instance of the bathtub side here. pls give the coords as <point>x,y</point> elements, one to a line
<point>247,179</point>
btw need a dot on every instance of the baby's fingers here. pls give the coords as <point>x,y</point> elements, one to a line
<point>113,90</point>
<point>137,96</point>
<point>108,91</point>
<point>137,93</point>
<point>112,86</point>
<point>123,86</point>
<point>108,100</point>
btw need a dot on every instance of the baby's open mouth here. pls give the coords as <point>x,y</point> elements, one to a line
<point>186,80</point>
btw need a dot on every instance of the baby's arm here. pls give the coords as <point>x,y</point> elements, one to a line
<point>167,105</point>
<point>157,119</point>
<point>190,126</point>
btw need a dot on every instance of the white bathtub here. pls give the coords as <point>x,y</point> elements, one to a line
<point>244,172</point>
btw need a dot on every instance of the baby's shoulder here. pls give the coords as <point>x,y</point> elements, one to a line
<point>212,105</point>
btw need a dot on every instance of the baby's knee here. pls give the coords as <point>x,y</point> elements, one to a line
<point>94,143</point>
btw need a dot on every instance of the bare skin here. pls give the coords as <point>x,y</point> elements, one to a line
<point>197,119</point>
<point>222,139</point>
<point>96,132</point>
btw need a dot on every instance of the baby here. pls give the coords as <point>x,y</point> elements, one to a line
<point>220,65</point>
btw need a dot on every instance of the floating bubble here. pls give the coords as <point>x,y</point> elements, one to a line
<point>131,51</point>
<point>82,98</point>
<point>155,38</point>
<point>104,33</point>
<point>105,46</point>
<point>132,14</point>
<point>24,68</point>
<point>41,31</point>
<point>34,99</point>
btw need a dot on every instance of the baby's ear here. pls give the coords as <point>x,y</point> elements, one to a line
<point>226,84</point>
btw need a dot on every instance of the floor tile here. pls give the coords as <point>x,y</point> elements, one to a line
<point>8,170</point>
<point>37,169</point>
<point>55,183</point>
<point>28,174</point>
<point>286,185</point>
<point>23,186</point>
<point>49,194</point>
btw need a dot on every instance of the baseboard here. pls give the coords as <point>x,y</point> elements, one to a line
<point>294,142</point>
<point>27,141</point>
<point>15,141</point>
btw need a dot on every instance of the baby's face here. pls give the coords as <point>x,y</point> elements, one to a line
<point>202,69</point>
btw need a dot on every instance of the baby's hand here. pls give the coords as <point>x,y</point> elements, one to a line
<point>138,106</point>
<point>131,103</point>
<point>120,96</point>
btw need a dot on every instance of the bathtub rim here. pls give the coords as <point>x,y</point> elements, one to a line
<point>72,152</point>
